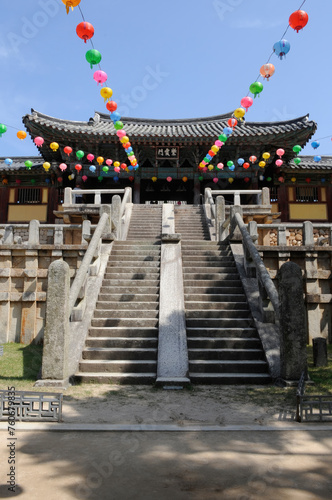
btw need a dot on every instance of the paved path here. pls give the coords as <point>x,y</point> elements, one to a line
<point>232,465</point>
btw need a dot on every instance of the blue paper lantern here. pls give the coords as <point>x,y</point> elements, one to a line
<point>240,161</point>
<point>92,169</point>
<point>8,161</point>
<point>228,131</point>
<point>315,144</point>
<point>115,116</point>
<point>115,178</point>
<point>317,158</point>
<point>281,48</point>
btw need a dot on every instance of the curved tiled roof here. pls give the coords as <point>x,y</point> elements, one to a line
<point>308,163</point>
<point>186,130</point>
<point>18,164</point>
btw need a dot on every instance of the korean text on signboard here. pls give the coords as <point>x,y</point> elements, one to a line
<point>169,153</point>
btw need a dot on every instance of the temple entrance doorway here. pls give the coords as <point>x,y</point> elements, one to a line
<point>161,190</point>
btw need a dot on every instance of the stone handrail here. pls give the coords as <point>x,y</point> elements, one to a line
<point>83,271</point>
<point>70,194</point>
<point>12,233</point>
<point>252,257</point>
<point>263,195</point>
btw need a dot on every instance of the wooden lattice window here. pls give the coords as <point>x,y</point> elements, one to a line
<point>28,196</point>
<point>306,194</point>
<point>273,194</point>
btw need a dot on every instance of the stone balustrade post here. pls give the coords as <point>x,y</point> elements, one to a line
<point>220,215</point>
<point>282,238</point>
<point>34,227</point>
<point>58,235</point>
<point>249,265</point>
<point>237,198</point>
<point>115,215</point>
<point>107,233</point>
<point>8,237</point>
<point>266,196</point>
<point>56,334</point>
<point>97,199</point>
<point>234,231</point>
<point>308,233</point>
<point>86,232</point>
<point>293,335</point>
<point>68,196</point>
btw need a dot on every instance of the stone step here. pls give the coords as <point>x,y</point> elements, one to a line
<point>125,313</point>
<point>133,297</point>
<point>191,305</point>
<point>207,261</point>
<point>119,354</point>
<point>129,290</point>
<point>108,304</point>
<point>222,333</point>
<point>207,297</point>
<point>117,378</point>
<point>133,276</point>
<point>123,343</point>
<point>125,322</point>
<point>213,287</point>
<point>223,343</point>
<point>230,378</point>
<point>120,258</point>
<point>227,257</point>
<point>224,366</point>
<point>141,245</point>
<point>118,366</point>
<point>126,283</point>
<point>218,314</point>
<point>132,264</point>
<point>225,354</point>
<point>217,269</point>
<point>218,322</point>
<point>222,277</point>
<point>123,332</point>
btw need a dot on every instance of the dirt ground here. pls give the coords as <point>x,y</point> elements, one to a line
<point>198,405</point>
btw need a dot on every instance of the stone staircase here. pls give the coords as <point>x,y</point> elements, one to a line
<point>145,222</point>
<point>190,222</point>
<point>223,344</point>
<point>123,338</point>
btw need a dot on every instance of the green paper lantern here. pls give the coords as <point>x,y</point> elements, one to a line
<point>79,154</point>
<point>297,161</point>
<point>105,169</point>
<point>93,56</point>
<point>100,178</point>
<point>28,164</point>
<point>223,137</point>
<point>297,149</point>
<point>256,88</point>
<point>3,129</point>
<point>118,125</point>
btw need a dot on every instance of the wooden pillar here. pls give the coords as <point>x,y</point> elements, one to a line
<point>137,191</point>
<point>52,204</point>
<point>4,197</point>
<point>283,203</point>
<point>329,202</point>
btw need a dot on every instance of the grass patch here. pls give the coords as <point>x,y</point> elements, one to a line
<point>20,365</point>
<point>322,377</point>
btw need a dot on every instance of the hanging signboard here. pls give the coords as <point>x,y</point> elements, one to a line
<point>167,153</point>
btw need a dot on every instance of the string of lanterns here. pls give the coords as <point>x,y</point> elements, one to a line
<point>297,21</point>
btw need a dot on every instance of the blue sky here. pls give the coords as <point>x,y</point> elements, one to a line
<point>164,59</point>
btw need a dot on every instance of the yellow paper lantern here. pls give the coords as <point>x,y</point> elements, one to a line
<point>293,179</point>
<point>210,167</point>
<point>262,164</point>
<point>46,166</point>
<point>100,160</point>
<point>124,139</point>
<point>106,93</point>
<point>215,149</point>
<point>230,180</point>
<point>266,156</point>
<point>116,164</point>
<point>21,134</point>
<point>239,113</point>
<point>154,179</point>
<point>54,146</point>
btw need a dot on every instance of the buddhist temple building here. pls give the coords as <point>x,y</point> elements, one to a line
<point>168,154</point>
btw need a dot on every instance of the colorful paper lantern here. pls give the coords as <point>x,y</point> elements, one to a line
<point>3,129</point>
<point>239,113</point>
<point>293,179</point>
<point>92,169</point>
<point>85,31</point>
<point>62,167</point>
<point>266,156</point>
<point>279,162</point>
<point>317,158</point>
<point>256,88</point>
<point>240,161</point>
<point>246,179</point>
<point>28,164</point>
<point>68,150</point>
<point>105,168</point>
<point>100,160</point>
<point>184,179</point>
<point>308,180</point>
<point>246,102</point>
<point>230,180</point>
<point>116,164</point>
<point>106,93</point>
<point>267,70</point>
<point>154,179</point>
<point>115,117</point>
<point>84,178</point>
<point>100,76</point>
<point>54,146</point>
<point>46,166</point>
<point>297,161</point>
<point>298,20</point>
<point>90,157</point>
<point>253,159</point>
<point>8,161</point>
<point>169,179</point>
<point>315,144</point>
<point>262,164</point>
<point>281,179</point>
<point>111,106</point>
<point>228,131</point>
<point>59,179</point>
<point>70,4</point>
<point>123,166</point>
<point>78,167</point>
<point>280,152</point>
<point>222,137</point>
<point>117,169</point>
<point>220,166</point>
<point>232,122</point>
<point>297,149</point>
<point>79,154</point>
<point>21,134</point>
<point>39,141</point>
<point>215,180</point>
<point>246,165</point>
<point>281,48</point>
<point>109,162</point>
<point>93,57</point>
<point>118,125</point>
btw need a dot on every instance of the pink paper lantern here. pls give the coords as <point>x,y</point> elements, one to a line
<point>220,166</point>
<point>218,143</point>
<point>62,167</point>
<point>100,76</point>
<point>279,163</point>
<point>84,178</point>
<point>39,141</point>
<point>169,179</point>
<point>215,180</point>
<point>246,102</point>
<point>280,152</point>
<point>109,162</point>
<point>120,133</point>
<point>117,169</point>
<point>90,157</point>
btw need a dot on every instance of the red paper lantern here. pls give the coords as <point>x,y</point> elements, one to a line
<point>85,31</point>
<point>232,122</point>
<point>111,106</point>
<point>246,179</point>
<point>68,150</point>
<point>298,20</point>
<point>211,153</point>
<point>131,178</point>
<point>281,179</point>
<point>308,180</point>
<point>59,179</point>
<point>246,165</point>
<point>78,167</point>
<point>123,166</point>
